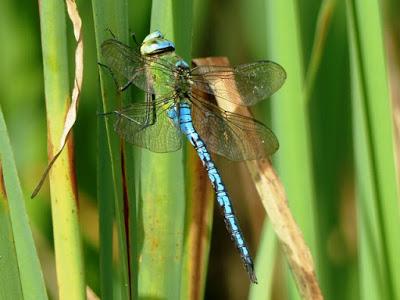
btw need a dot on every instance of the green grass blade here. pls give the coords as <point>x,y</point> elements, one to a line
<point>290,118</point>
<point>324,20</point>
<point>174,19</point>
<point>10,277</point>
<point>201,9</point>
<point>161,183</point>
<point>377,190</point>
<point>69,261</point>
<point>162,208</point>
<point>113,16</point>
<point>291,128</point>
<point>21,274</point>
<point>106,212</point>
<point>333,157</point>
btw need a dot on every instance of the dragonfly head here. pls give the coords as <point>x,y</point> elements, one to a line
<point>155,43</point>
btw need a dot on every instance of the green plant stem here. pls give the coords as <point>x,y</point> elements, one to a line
<point>113,16</point>
<point>162,202</point>
<point>290,116</point>
<point>324,20</point>
<point>377,190</point>
<point>21,276</point>
<point>67,242</point>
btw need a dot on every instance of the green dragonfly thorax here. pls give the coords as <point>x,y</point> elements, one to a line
<point>163,53</point>
<point>174,82</point>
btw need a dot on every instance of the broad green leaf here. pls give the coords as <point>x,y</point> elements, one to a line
<point>21,276</point>
<point>66,230</point>
<point>376,175</point>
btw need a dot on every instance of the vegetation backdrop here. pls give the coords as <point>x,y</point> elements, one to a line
<point>336,117</point>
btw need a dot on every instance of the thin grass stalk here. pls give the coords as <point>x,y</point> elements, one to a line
<point>111,16</point>
<point>105,192</point>
<point>22,275</point>
<point>377,190</point>
<point>139,21</point>
<point>10,276</point>
<point>290,117</point>
<point>67,243</point>
<point>326,11</point>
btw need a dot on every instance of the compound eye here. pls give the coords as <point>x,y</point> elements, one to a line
<point>156,47</point>
<point>154,35</point>
<point>155,43</point>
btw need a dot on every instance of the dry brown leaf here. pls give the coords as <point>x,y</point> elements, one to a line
<point>273,197</point>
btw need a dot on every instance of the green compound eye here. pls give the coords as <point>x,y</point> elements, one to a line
<point>155,43</point>
<point>154,35</point>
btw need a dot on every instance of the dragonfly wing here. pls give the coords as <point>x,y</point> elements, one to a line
<point>124,62</point>
<point>128,66</point>
<point>148,127</point>
<point>231,135</point>
<point>245,84</point>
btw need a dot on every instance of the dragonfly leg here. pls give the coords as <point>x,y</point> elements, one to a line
<point>120,88</point>
<point>150,116</point>
<point>133,35</point>
<point>122,114</point>
<point>112,34</point>
<point>125,86</point>
<point>224,202</point>
<point>111,72</point>
<point>150,110</point>
<point>127,117</point>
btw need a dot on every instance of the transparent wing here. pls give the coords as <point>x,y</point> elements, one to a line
<point>231,135</point>
<point>149,127</point>
<point>245,84</point>
<point>128,66</point>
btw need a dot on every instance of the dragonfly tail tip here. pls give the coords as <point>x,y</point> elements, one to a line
<point>252,273</point>
<point>253,277</point>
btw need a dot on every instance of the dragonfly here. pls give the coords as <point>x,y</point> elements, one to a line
<point>178,105</point>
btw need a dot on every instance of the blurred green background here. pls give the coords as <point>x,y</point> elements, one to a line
<point>220,28</point>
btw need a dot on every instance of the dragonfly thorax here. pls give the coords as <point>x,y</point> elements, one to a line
<point>183,82</point>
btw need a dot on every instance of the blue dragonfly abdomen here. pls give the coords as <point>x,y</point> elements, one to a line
<point>181,115</point>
